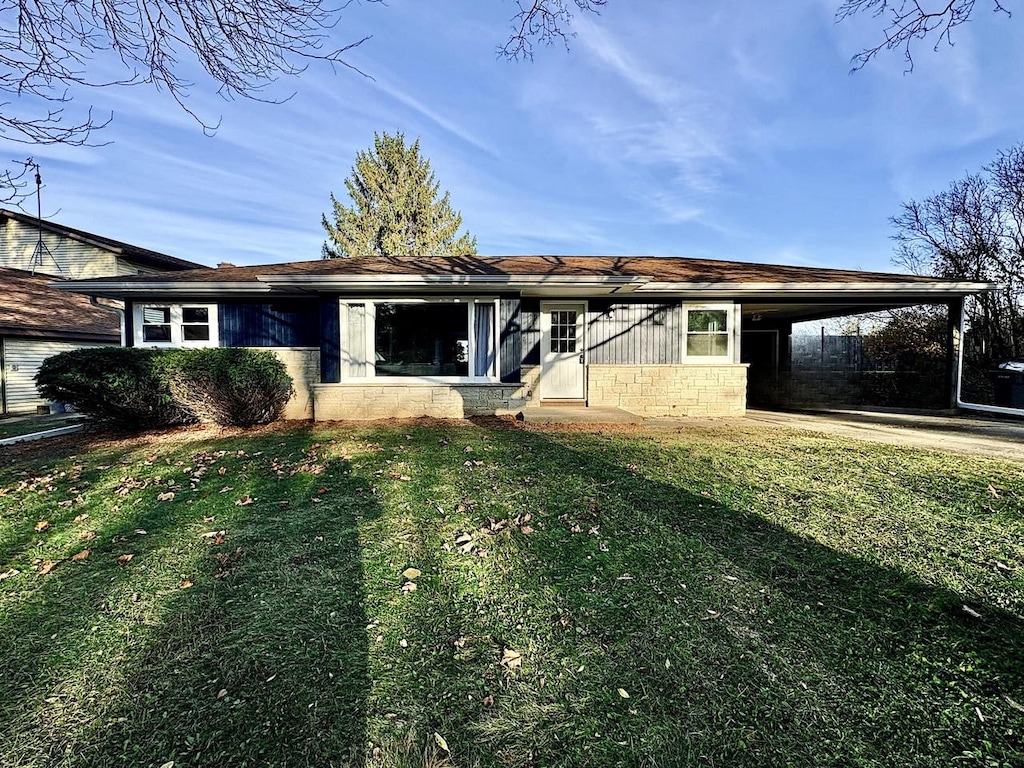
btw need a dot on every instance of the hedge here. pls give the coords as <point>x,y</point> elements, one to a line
<point>137,388</point>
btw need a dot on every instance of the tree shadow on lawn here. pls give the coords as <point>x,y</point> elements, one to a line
<point>262,661</point>
<point>737,641</point>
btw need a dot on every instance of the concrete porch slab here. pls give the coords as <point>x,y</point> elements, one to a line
<point>569,414</point>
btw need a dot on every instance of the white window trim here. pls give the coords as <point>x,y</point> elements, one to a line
<point>176,323</point>
<point>371,337</point>
<point>732,327</point>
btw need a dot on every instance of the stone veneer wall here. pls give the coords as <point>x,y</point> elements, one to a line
<point>407,400</point>
<point>669,390</point>
<point>303,365</point>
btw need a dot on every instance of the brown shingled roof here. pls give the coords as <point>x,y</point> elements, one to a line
<point>29,307</point>
<point>657,268</point>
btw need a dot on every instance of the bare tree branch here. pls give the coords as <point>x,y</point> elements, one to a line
<point>910,21</point>
<point>48,47</point>
<point>543,21</point>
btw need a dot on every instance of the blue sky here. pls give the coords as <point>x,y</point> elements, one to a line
<point>726,130</point>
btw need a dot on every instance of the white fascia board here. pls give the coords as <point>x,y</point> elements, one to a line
<point>481,282</point>
<point>117,289</point>
<point>786,290</point>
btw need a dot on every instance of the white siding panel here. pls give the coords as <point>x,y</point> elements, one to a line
<point>22,358</point>
<point>76,260</point>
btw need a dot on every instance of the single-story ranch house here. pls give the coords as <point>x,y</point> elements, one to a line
<point>451,337</point>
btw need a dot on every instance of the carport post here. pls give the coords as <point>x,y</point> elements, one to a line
<point>955,339</point>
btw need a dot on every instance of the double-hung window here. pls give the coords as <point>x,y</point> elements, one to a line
<point>175,325</point>
<point>709,333</point>
<point>451,339</point>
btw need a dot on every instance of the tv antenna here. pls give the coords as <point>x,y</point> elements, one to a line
<point>42,250</point>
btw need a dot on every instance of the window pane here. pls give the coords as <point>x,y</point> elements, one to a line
<point>353,351</point>
<point>195,315</point>
<point>707,344</point>
<point>720,344</point>
<point>713,320</point>
<point>483,340</point>
<point>698,346</point>
<point>156,314</point>
<point>195,333</point>
<point>156,333</point>
<point>422,340</point>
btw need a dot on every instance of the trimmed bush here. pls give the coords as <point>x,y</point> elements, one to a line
<point>119,387</point>
<point>228,386</point>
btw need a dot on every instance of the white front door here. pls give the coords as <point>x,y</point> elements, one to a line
<point>563,369</point>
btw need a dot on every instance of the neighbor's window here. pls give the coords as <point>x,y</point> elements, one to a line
<point>418,339</point>
<point>176,324</point>
<point>707,333</point>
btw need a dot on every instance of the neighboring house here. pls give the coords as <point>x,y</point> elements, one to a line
<point>37,321</point>
<point>369,338</point>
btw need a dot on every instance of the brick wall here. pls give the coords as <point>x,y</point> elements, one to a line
<point>669,390</point>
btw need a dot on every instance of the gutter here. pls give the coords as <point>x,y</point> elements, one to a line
<point>120,313</point>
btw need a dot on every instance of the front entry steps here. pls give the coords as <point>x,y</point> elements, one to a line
<point>575,414</point>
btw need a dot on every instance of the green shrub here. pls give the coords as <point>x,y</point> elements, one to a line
<point>228,386</point>
<point>118,387</point>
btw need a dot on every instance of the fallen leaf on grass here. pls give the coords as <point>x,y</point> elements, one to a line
<point>81,518</point>
<point>168,764</point>
<point>141,532</point>
<point>488,701</point>
<point>439,740</point>
<point>46,566</point>
<point>168,496</point>
<point>124,559</point>
<point>511,659</point>
<point>9,574</point>
<point>526,529</point>
<point>412,573</point>
<point>42,525</point>
<point>87,535</point>
<point>970,611</point>
<point>186,583</point>
<point>222,693</point>
<point>245,501</point>
<point>1008,700</point>
<point>623,693</point>
<point>409,586</point>
<point>83,555</point>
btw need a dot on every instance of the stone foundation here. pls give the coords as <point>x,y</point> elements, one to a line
<point>409,400</point>
<point>669,390</point>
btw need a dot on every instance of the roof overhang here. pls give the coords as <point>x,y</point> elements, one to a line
<point>905,292</point>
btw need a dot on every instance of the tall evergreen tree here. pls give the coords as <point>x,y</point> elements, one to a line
<point>396,210</point>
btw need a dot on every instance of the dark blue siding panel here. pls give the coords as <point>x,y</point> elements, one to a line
<point>529,323</point>
<point>330,340</point>
<point>129,324</point>
<point>511,346</point>
<point>634,333</point>
<point>280,324</point>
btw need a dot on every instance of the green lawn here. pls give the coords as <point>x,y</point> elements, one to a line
<point>721,597</point>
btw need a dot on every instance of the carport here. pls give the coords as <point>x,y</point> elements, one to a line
<point>767,331</point>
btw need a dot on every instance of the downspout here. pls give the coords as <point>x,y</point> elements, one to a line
<point>120,314</point>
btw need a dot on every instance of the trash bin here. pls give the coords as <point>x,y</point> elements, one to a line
<point>1009,385</point>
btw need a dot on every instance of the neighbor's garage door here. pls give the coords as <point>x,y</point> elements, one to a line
<point>22,358</point>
